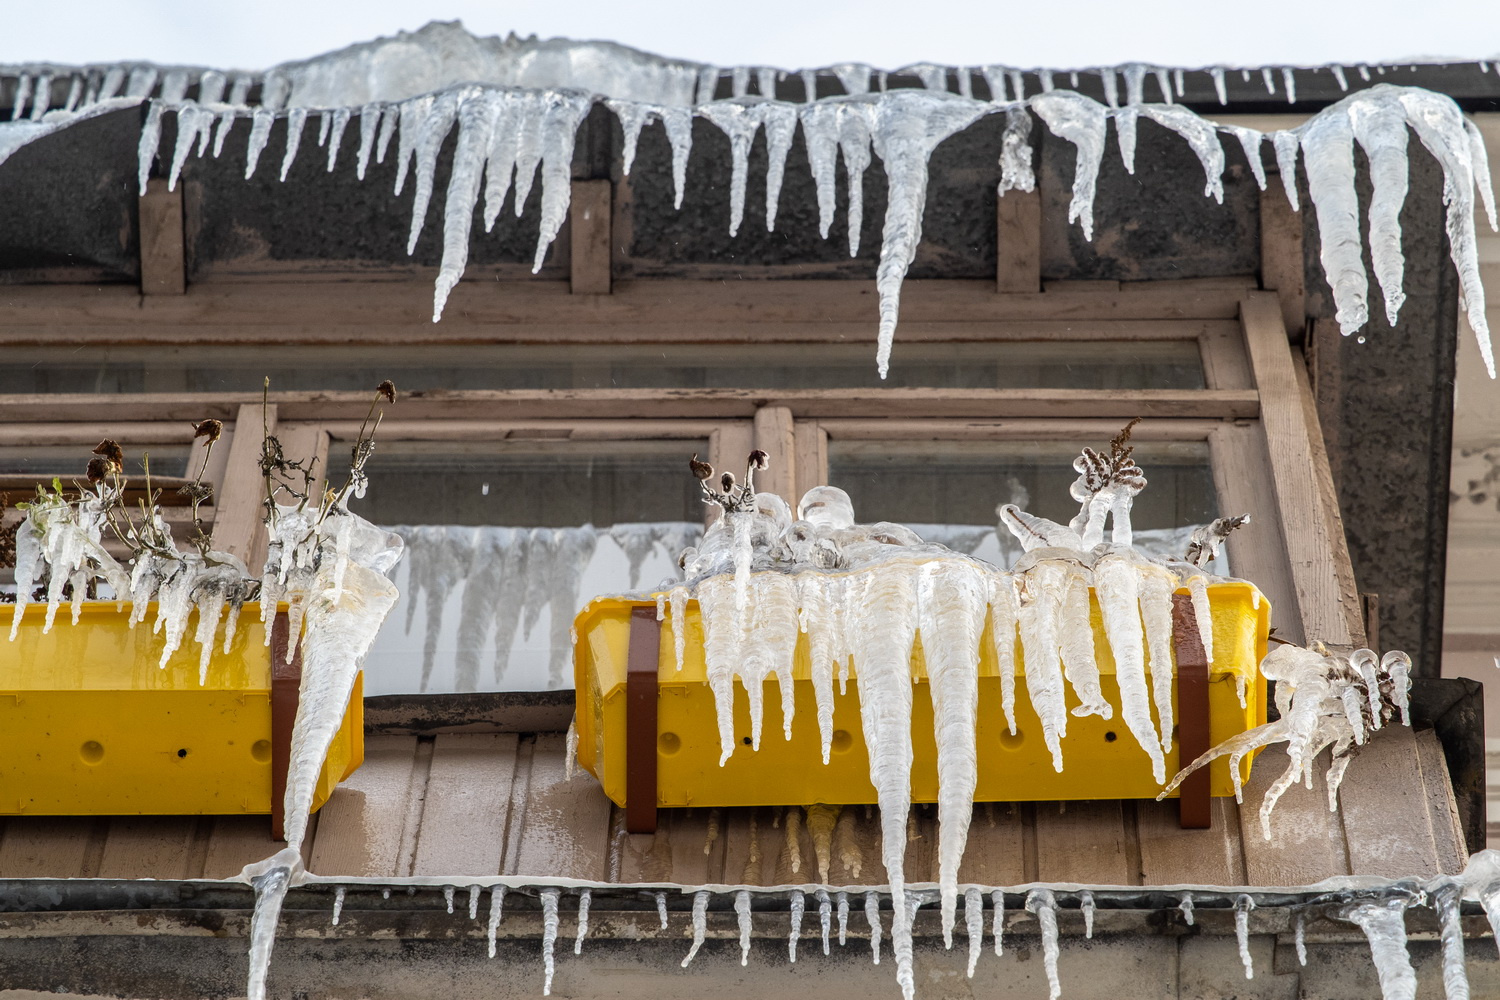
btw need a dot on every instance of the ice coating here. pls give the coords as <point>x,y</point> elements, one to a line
<point>1384,923</point>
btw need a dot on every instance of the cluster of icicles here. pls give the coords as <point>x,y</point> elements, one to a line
<point>519,109</point>
<point>330,572</point>
<point>1378,910</point>
<point>761,579</point>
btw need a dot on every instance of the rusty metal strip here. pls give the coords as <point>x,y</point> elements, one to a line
<point>286,684</point>
<point>1193,804</point>
<point>640,720</point>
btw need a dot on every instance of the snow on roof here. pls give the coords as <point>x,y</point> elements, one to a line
<point>517,104</point>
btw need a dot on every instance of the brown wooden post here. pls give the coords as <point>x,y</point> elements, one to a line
<point>1194,807</point>
<point>1281,266</point>
<point>589,220</point>
<point>640,720</point>
<point>286,684</point>
<point>1018,239</point>
<point>163,268</point>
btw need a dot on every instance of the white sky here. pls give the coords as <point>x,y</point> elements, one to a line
<point>885,33</point>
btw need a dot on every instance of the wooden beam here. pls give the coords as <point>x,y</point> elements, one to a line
<point>1321,572</point>
<point>368,312</point>
<point>775,434</point>
<point>589,219</point>
<point>1018,239</point>
<point>517,405</point>
<point>1281,262</point>
<point>163,261</point>
<point>237,524</point>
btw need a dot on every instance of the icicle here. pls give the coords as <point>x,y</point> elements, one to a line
<point>872,918</point>
<point>340,122</point>
<point>853,77</point>
<point>1118,590</point>
<point>448,892</point>
<point>1203,612</point>
<point>1217,73</point>
<point>1338,74</point>
<point>549,936</point>
<point>781,125</point>
<point>1017,83</point>
<point>1086,904</point>
<point>1157,585</point>
<point>497,906</point>
<point>1380,130</point>
<point>23,94</point>
<point>1044,78</point>
<point>765,82</point>
<point>1015,152</point>
<point>1037,617</point>
<point>1286,145</point>
<point>1042,903</point>
<point>1003,614</point>
<point>477,123</point>
<point>739,81</point>
<point>843,902</point>
<point>708,83</point>
<point>1080,121</point>
<point>1328,144</point>
<point>474,891</point>
<point>1177,80</point>
<point>661,909</point>
<point>825,914</point>
<point>1163,82</point>
<point>994,77</point>
<point>270,893</point>
<point>1250,141</point>
<point>1265,75</point>
<point>906,126</point>
<point>1446,898</point>
<point>742,913</point>
<point>965,82</point>
<point>1243,904</point>
<point>1299,938</point>
<point>585,897</point>
<point>338,904</point>
<point>997,927</point>
<point>952,601</point>
<point>296,119</point>
<point>974,924</point>
<point>739,121</point>
<point>1186,906</point>
<point>1384,924</point>
<point>1201,137</point>
<point>798,906</point>
<point>700,925</point>
<point>1289,82</point>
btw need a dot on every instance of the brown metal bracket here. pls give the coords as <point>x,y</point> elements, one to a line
<point>1193,803</point>
<point>286,685</point>
<point>641,691</point>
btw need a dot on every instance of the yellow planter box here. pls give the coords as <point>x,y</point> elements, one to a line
<point>1101,758</point>
<point>90,725</point>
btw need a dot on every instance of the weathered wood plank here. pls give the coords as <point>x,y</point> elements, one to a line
<point>1387,820</point>
<point>237,841</point>
<point>589,219</point>
<point>995,853</point>
<point>812,456</point>
<point>163,270</point>
<point>1051,429</point>
<point>150,847</point>
<point>1447,827</point>
<point>1307,842</point>
<point>1082,842</point>
<point>468,805</point>
<point>775,434</point>
<point>564,823</point>
<point>360,827</point>
<point>1281,265</point>
<point>237,521</point>
<point>1258,551</point>
<point>1317,550</point>
<point>1018,231</point>
<point>1170,854</point>
<point>51,846</point>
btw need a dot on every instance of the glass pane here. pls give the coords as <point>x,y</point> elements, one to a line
<point>69,462</point>
<point>507,541</point>
<point>947,491</point>
<point>1165,364</point>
